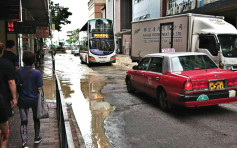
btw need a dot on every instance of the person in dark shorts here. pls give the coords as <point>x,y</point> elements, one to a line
<point>4,126</point>
<point>12,58</point>
<point>7,91</point>
<point>9,55</point>
<point>28,95</point>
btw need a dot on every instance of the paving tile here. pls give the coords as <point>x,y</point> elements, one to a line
<point>46,126</point>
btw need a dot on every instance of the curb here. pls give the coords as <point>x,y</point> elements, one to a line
<point>79,135</point>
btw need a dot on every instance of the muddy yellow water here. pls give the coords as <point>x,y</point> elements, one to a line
<point>48,78</point>
<point>81,87</point>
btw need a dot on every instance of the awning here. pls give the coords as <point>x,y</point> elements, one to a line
<point>10,10</point>
<point>227,8</point>
<point>35,11</point>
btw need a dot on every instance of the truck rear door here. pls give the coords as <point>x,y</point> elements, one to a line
<point>166,35</point>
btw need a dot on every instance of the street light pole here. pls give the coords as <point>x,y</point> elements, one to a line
<point>52,52</point>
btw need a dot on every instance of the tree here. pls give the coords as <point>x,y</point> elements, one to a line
<point>59,15</point>
<point>69,41</point>
<point>73,36</point>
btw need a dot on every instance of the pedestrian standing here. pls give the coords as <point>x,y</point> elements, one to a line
<point>28,95</point>
<point>9,55</point>
<point>7,95</point>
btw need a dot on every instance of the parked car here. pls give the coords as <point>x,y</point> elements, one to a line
<point>73,50</point>
<point>76,52</point>
<point>186,78</point>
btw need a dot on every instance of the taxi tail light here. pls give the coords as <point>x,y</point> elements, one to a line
<point>232,82</point>
<point>90,58</point>
<point>200,85</point>
<point>188,86</point>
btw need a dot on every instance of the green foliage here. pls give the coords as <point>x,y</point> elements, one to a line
<point>59,49</point>
<point>69,41</point>
<point>73,36</point>
<point>59,15</point>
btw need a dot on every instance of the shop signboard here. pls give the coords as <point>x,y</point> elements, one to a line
<point>42,32</point>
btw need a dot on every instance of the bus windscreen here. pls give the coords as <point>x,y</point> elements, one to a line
<point>101,46</point>
<point>100,25</point>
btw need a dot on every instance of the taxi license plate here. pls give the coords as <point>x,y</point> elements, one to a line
<point>215,85</point>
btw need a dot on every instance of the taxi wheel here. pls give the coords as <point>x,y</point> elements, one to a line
<point>163,102</point>
<point>129,86</point>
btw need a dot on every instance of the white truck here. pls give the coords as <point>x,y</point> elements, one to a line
<point>187,33</point>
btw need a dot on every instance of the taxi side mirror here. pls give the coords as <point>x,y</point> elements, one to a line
<point>135,67</point>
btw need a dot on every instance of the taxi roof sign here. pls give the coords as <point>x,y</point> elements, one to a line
<point>166,50</point>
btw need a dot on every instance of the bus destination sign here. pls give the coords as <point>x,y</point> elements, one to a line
<point>101,36</point>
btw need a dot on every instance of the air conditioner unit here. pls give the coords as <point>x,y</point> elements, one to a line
<point>171,11</point>
<point>167,12</point>
<point>212,1</point>
<point>207,2</point>
<point>177,10</point>
<point>193,3</point>
<point>174,10</point>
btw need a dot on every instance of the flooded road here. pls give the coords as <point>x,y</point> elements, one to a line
<point>108,116</point>
<point>89,108</point>
<point>48,78</point>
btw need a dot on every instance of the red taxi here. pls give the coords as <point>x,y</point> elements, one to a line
<point>184,78</point>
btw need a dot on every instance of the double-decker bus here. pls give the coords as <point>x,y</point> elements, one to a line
<point>97,42</point>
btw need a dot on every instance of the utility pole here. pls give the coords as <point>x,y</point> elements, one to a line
<point>51,37</point>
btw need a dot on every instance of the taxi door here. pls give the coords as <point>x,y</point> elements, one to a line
<point>139,77</point>
<point>154,74</point>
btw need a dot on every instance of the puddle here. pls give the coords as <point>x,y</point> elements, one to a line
<point>48,79</point>
<point>81,86</point>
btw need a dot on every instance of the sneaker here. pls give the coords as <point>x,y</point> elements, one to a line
<point>38,140</point>
<point>25,145</point>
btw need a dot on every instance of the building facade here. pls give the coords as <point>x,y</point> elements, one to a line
<point>226,8</point>
<point>94,8</point>
<point>146,9</point>
<point>26,23</point>
<point>120,11</point>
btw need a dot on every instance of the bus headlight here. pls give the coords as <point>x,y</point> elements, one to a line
<point>90,58</point>
<point>113,58</point>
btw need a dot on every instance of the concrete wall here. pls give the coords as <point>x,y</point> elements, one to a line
<point>126,43</point>
<point>91,11</point>
<point>94,8</point>
<point>103,13</point>
<point>2,31</point>
<point>146,9</point>
<point>109,9</point>
<point>117,16</point>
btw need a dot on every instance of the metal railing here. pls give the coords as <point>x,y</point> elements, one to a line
<point>66,140</point>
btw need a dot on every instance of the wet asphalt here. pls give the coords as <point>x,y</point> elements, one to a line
<point>108,116</point>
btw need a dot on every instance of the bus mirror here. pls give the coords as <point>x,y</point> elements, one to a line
<point>86,43</point>
<point>135,67</point>
<point>218,46</point>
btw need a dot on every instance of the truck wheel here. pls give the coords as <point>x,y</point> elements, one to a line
<point>163,102</point>
<point>130,88</point>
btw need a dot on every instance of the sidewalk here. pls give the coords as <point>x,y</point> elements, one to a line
<point>49,127</point>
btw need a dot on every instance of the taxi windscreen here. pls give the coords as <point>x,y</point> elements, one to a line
<point>192,62</point>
